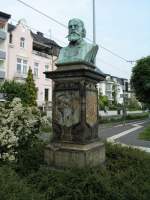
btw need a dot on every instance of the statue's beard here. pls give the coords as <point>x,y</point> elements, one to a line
<point>73,37</point>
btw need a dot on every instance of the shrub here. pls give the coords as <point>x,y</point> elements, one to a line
<point>120,118</point>
<point>14,89</point>
<point>145,134</point>
<point>125,176</point>
<point>19,127</point>
<point>27,91</point>
<point>137,116</point>
<point>14,188</point>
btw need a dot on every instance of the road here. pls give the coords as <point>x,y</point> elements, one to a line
<point>126,134</point>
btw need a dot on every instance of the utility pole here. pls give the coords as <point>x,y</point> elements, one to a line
<point>125,89</point>
<point>124,109</point>
<point>94,30</point>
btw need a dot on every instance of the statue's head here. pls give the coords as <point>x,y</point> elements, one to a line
<point>76,30</point>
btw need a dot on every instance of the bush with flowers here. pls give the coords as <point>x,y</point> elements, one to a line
<point>19,127</point>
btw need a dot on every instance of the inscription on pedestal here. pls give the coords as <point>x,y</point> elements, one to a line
<point>67,108</point>
<point>91,107</point>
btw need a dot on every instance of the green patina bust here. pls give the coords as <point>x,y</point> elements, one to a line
<point>78,49</point>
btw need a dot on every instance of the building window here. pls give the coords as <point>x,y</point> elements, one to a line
<point>108,87</point>
<point>21,66</point>
<point>36,68</point>
<point>22,42</point>
<point>10,38</point>
<point>46,68</point>
<point>46,94</point>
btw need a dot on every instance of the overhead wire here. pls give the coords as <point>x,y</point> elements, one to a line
<point>42,13</point>
<point>111,65</point>
<point>57,40</point>
<point>64,26</point>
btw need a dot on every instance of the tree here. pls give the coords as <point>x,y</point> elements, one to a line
<point>140,79</point>
<point>13,89</point>
<point>133,104</point>
<point>103,101</point>
<point>31,89</point>
<point>27,91</point>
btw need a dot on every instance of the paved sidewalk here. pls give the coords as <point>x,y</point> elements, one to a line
<point>127,135</point>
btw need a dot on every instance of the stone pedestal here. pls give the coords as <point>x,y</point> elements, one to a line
<point>61,155</point>
<point>75,116</point>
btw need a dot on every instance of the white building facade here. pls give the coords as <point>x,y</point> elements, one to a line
<point>114,88</point>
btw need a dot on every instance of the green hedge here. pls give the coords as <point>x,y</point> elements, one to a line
<point>124,176</point>
<point>119,118</point>
<point>145,134</point>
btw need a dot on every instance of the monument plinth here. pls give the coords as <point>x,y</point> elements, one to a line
<point>75,140</point>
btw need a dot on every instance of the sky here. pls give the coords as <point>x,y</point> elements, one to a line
<point>122,26</point>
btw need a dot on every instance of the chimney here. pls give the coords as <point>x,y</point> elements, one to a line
<point>40,33</point>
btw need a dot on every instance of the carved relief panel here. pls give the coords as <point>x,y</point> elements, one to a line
<point>91,107</point>
<point>67,107</point>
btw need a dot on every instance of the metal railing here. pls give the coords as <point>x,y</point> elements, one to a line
<point>38,53</point>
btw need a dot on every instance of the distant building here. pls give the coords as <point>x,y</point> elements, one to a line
<point>114,88</point>
<point>24,49</point>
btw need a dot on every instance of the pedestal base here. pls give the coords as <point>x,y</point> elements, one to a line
<point>63,155</point>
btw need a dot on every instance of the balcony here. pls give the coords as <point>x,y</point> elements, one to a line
<point>2,34</point>
<point>38,53</point>
<point>2,55</point>
<point>19,76</point>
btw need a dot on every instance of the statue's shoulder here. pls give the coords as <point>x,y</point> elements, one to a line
<point>91,51</point>
<point>90,46</point>
<point>64,49</point>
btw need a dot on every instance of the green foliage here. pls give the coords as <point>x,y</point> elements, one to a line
<point>19,127</point>
<point>120,118</point>
<point>143,115</point>
<point>145,134</point>
<point>103,102</point>
<point>133,104</point>
<point>125,176</point>
<point>12,187</point>
<point>14,89</point>
<point>140,79</point>
<point>31,89</point>
<point>30,159</point>
<point>113,106</point>
<point>27,91</point>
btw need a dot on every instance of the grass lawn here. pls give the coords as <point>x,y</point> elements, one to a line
<point>125,176</point>
<point>145,135</point>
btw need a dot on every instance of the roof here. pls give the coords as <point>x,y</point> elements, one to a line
<point>4,15</point>
<point>39,37</point>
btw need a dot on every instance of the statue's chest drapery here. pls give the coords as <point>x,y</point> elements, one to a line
<point>73,52</point>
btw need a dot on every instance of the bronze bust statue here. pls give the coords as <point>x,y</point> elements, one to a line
<point>78,49</point>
